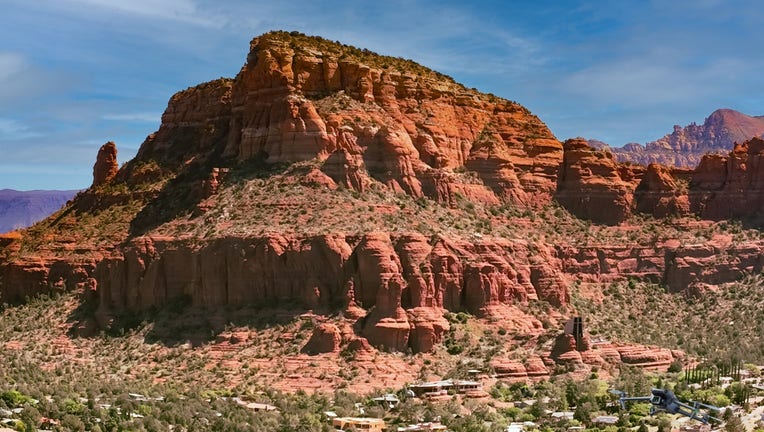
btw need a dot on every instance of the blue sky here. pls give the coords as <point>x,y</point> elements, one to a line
<point>77,73</point>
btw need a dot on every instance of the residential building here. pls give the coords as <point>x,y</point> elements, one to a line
<point>358,424</point>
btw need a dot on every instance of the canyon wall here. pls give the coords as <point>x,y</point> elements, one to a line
<point>592,185</point>
<point>399,285</point>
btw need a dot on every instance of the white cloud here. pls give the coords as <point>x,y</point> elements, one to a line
<point>11,129</point>
<point>172,10</point>
<point>22,82</point>
<point>649,81</point>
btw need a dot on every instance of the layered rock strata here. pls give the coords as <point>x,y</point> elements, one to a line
<point>659,192</point>
<point>363,120</point>
<point>404,282</point>
<point>730,186</point>
<point>400,286</point>
<point>590,184</point>
<point>593,186</point>
<point>606,353</point>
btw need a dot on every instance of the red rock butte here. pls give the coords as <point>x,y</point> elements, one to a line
<point>347,119</point>
<point>362,115</point>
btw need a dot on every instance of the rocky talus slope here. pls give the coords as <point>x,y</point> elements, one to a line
<point>338,180</point>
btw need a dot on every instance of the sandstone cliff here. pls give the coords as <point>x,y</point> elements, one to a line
<point>663,191</point>
<point>362,116</point>
<point>591,186</point>
<point>397,278</point>
<point>730,186</point>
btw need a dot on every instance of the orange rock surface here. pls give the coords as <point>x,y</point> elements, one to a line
<point>316,100</point>
<point>659,194</point>
<point>326,338</point>
<point>730,186</point>
<point>590,185</point>
<point>405,282</point>
<point>106,165</point>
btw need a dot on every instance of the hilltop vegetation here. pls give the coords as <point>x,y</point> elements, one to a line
<point>720,322</point>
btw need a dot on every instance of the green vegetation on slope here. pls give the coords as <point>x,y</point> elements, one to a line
<point>719,323</point>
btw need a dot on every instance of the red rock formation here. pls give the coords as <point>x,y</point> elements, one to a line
<point>10,241</point>
<point>210,186</point>
<point>347,169</point>
<point>448,188</point>
<point>428,327</point>
<point>659,194</point>
<point>326,338</point>
<point>30,276</point>
<point>318,179</point>
<point>394,125</point>
<point>106,166</point>
<point>364,123</point>
<point>590,186</point>
<point>295,100</point>
<point>394,275</point>
<point>564,350</point>
<point>703,263</point>
<point>404,281</point>
<point>379,272</point>
<point>549,285</point>
<point>711,173</point>
<point>646,357</point>
<point>194,126</point>
<point>360,349</point>
<point>730,186</point>
<point>506,368</point>
<point>686,146</point>
<point>535,367</point>
<point>721,187</point>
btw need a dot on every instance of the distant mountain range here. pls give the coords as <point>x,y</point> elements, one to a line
<point>686,145</point>
<point>20,209</point>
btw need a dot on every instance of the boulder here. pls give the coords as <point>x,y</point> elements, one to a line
<point>326,338</point>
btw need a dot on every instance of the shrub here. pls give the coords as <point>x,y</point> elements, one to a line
<point>675,366</point>
<point>13,398</point>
